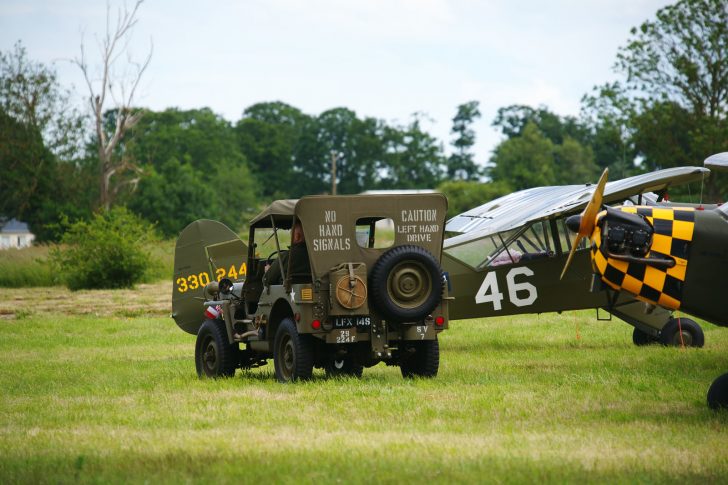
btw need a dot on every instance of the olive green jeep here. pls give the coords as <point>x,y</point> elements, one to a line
<point>333,282</point>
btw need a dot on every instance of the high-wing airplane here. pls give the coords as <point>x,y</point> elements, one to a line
<point>672,256</point>
<point>509,254</point>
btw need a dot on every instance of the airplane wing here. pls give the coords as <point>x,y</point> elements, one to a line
<point>514,210</point>
<point>717,162</point>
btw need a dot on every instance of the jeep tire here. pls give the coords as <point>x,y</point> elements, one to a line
<point>424,362</point>
<point>214,356</point>
<point>405,284</point>
<point>292,353</point>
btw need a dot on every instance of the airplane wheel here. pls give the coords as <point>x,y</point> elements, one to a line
<point>718,393</point>
<point>292,353</point>
<point>692,334</point>
<point>641,338</point>
<point>214,356</point>
<point>425,362</point>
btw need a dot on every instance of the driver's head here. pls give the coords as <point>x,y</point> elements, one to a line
<point>297,233</point>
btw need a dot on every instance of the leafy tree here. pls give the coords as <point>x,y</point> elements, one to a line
<point>682,56</point>
<point>193,169</point>
<point>461,164</point>
<point>574,163</point>
<point>42,171</point>
<point>512,121</point>
<point>34,186</point>
<point>22,154</point>
<point>524,161</point>
<point>607,115</point>
<point>355,143</point>
<point>173,196</point>
<point>675,70</point>
<point>414,159</point>
<point>463,195</point>
<point>199,137</point>
<point>31,94</point>
<point>268,136</point>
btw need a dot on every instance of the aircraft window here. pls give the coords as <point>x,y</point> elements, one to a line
<point>374,232</point>
<point>475,253</point>
<point>529,244</point>
<point>509,247</point>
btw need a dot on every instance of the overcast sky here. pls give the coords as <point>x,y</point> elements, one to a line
<point>381,58</point>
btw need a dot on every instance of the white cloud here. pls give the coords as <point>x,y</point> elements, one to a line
<point>381,58</point>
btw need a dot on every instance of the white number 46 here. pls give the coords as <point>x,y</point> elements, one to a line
<point>488,292</point>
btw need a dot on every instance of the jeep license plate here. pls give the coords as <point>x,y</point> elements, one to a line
<point>361,323</point>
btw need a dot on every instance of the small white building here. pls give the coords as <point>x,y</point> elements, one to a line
<point>15,234</point>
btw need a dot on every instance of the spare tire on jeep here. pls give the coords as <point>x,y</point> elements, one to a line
<point>405,284</point>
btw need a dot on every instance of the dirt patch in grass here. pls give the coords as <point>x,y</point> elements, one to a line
<point>148,300</point>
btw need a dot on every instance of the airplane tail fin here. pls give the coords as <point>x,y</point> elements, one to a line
<point>206,250</point>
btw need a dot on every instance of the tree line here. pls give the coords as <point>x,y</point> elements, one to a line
<point>667,108</point>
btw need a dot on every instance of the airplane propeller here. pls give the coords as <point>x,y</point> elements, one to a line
<point>583,224</point>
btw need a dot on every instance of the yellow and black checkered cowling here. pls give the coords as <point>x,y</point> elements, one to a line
<point>673,235</point>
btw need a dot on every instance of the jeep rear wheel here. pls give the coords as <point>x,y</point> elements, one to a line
<point>214,356</point>
<point>292,353</point>
<point>424,362</point>
<point>406,284</point>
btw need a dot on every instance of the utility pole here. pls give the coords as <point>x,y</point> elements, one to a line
<point>334,158</point>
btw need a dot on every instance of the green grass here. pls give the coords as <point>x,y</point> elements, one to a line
<point>518,399</point>
<point>27,267</point>
<point>162,262</point>
<point>30,267</point>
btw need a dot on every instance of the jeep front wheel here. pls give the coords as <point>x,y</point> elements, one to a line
<point>406,284</point>
<point>214,356</point>
<point>292,353</point>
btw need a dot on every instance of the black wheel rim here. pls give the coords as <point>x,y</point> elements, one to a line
<point>288,358</point>
<point>210,357</point>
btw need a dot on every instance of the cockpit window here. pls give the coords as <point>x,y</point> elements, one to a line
<point>509,247</point>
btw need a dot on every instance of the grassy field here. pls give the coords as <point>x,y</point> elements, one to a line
<point>109,394</point>
<point>31,267</point>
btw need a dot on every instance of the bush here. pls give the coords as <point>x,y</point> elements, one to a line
<point>106,252</point>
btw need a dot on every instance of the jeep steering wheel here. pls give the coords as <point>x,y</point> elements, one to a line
<point>269,259</point>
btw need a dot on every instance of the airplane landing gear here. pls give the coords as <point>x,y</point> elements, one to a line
<point>718,393</point>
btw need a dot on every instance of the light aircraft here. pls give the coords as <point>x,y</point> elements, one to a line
<point>671,256</point>
<point>510,252</point>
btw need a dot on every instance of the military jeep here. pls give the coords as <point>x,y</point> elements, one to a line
<point>333,282</point>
